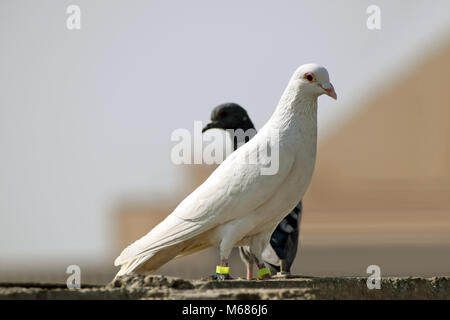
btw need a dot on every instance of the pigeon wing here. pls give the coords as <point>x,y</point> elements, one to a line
<point>233,190</point>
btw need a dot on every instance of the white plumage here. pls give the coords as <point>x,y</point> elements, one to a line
<point>237,205</point>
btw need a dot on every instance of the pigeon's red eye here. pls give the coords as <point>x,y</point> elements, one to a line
<point>310,77</point>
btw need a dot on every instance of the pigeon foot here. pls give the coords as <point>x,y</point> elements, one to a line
<point>220,277</point>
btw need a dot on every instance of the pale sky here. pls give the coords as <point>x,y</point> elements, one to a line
<point>86,115</point>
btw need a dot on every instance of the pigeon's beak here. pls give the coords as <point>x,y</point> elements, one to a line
<point>329,90</point>
<point>212,125</point>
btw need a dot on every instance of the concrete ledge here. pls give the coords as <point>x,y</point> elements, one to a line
<point>161,287</point>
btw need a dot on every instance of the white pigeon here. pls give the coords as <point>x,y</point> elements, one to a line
<point>238,205</point>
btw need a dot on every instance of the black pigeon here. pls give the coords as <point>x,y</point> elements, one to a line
<point>284,240</point>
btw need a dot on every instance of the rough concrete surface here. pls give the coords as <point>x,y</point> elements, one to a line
<point>161,287</point>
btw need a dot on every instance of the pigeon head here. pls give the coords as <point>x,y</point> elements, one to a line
<point>312,79</point>
<point>229,116</point>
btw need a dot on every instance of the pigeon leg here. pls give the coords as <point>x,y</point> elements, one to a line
<point>248,259</point>
<point>257,246</point>
<point>223,270</point>
<point>250,270</point>
<point>224,262</point>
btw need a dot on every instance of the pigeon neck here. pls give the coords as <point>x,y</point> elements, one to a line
<point>295,107</point>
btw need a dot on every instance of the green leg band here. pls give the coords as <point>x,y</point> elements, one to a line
<point>262,272</point>
<point>223,270</point>
<point>222,273</point>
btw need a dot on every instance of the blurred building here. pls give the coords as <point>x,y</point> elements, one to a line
<point>380,192</point>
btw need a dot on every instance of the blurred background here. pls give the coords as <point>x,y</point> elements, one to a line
<point>86,118</point>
